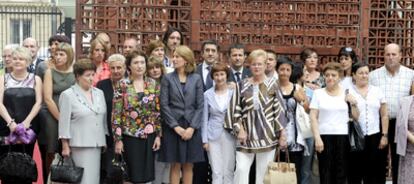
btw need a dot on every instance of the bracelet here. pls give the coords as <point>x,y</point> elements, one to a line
<point>12,121</point>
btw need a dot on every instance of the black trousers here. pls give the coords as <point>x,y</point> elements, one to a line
<point>333,160</point>
<point>369,165</point>
<point>294,157</point>
<point>394,156</point>
<point>202,172</point>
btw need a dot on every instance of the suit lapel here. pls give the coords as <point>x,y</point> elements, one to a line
<point>177,83</point>
<point>188,83</point>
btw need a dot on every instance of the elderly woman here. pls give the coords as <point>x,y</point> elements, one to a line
<point>82,121</point>
<point>117,67</point>
<point>248,116</point>
<point>347,57</point>
<point>20,100</point>
<point>7,59</point>
<point>56,80</point>
<point>369,165</point>
<point>98,55</point>
<point>218,142</point>
<point>329,121</point>
<point>182,108</point>
<point>136,120</point>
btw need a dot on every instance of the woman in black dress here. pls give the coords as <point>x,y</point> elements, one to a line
<point>20,100</point>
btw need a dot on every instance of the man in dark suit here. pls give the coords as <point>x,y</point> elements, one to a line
<point>209,52</point>
<point>33,46</point>
<point>237,57</point>
<point>210,55</point>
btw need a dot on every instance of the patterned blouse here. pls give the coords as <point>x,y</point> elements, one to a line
<point>258,109</point>
<point>136,114</point>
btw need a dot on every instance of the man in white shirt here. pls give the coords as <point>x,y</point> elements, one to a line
<point>32,45</point>
<point>395,81</point>
<point>271,65</point>
<point>209,52</point>
<point>129,45</point>
<point>237,57</point>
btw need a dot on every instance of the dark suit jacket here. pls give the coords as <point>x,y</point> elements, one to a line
<point>177,103</point>
<point>108,90</point>
<point>199,70</point>
<point>246,73</point>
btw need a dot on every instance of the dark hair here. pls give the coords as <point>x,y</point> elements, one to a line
<point>348,52</point>
<point>357,66</point>
<point>209,42</point>
<point>297,72</point>
<point>236,46</point>
<point>284,60</point>
<point>167,34</point>
<point>83,65</point>
<point>133,55</point>
<point>306,53</point>
<point>218,67</point>
<point>59,38</point>
<point>271,52</point>
<point>333,66</point>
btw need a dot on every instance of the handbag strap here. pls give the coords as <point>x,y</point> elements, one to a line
<point>349,105</point>
<point>277,155</point>
<point>61,161</point>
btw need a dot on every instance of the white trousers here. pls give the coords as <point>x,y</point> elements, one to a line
<point>221,155</point>
<point>244,162</point>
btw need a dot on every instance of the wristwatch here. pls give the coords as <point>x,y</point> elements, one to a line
<point>385,135</point>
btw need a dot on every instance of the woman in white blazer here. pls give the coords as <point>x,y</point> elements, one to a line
<point>82,122</point>
<point>218,142</point>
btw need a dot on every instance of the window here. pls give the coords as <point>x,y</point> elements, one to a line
<point>20,29</point>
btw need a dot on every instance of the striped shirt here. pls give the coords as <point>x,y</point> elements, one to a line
<point>393,87</point>
<point>263,120</point>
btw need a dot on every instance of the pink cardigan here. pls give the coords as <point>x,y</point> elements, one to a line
<point>401,126</point>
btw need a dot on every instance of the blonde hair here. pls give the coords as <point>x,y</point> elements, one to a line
<point>23,52</point>
<point>256,54</point>
<point>94,44</point>
<point>335,67</point>
<point>67,48</point>
<point>187,54</point>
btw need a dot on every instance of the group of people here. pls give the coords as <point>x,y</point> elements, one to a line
<point>173,120</point>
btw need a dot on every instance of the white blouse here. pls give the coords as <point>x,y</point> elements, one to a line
<point>333,112</point>
<point>369,108</point>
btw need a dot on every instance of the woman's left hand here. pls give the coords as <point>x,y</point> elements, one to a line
<point>26,124</point>
<point>383,142</point>
<point>157,144</point>
<point>188,134</point>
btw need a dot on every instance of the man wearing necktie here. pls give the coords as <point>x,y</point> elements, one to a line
<point>33,46</point>
<point>210,56</point>
<point>237,57</point>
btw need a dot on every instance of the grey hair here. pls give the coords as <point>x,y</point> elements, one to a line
<point>23,52</point>
<point>10,47</point>
<point>116,57</point>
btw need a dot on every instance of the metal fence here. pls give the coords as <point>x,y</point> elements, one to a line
<point>21,20</point>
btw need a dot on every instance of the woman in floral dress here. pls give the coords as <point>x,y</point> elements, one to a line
<point>136,120</point>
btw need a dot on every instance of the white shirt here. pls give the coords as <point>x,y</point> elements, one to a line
<point>346,83</point>
<point>205,71</point>
<point>333,112</point>
<point>369,108</point>
<point>275,75</point>
<point>240,71</point>
<point>393,87</point>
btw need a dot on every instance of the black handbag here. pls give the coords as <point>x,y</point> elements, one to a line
<point>17,167</point>
<point>66,173</point>
<point>355,133</point>
<point>118,172</point>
